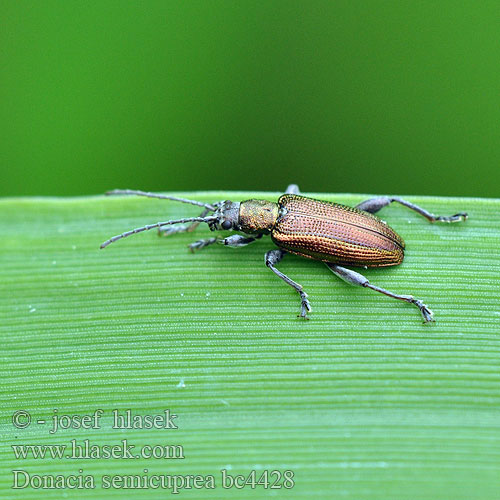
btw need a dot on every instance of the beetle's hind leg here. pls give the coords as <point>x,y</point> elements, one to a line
<point>273,257</point>
<point>354,278</point>
<point>373,205</point>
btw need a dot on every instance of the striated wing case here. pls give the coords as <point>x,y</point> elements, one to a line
<point>336,233</point>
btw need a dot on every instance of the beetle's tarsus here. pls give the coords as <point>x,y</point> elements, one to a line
<point>198,245</point>
<point>462,216</point>
<point>426,312</point>
<point>305,305</point>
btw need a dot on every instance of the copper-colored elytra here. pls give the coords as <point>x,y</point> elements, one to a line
<point>336,233</point>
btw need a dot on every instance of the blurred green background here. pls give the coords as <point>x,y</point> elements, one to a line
<point>372,96</point>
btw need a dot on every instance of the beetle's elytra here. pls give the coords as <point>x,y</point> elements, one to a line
<point>335,234</point>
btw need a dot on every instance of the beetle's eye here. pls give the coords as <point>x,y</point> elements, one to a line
<point>227,225</point>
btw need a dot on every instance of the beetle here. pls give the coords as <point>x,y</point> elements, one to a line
<point>335,234</point>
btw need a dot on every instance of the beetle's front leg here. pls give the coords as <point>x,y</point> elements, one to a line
<point>272,258</point>
<point>373,205</point>
<point>354,278</point>
<point>198,245</point>
<point>234,241</point>
<point>237,240</point>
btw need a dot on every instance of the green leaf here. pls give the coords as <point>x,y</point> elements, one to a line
<point>361,402</point>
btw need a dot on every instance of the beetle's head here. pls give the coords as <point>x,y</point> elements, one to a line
<point>226,216</point>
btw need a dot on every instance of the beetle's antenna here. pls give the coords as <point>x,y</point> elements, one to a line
<point>161,196</point>
<point>158,224</point>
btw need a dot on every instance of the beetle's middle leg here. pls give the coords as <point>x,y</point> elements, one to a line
<point>373,205</point>
<point>273,257</point>
<point>354,278</point>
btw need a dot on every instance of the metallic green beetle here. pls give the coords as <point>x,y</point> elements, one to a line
<point>335,234</point>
